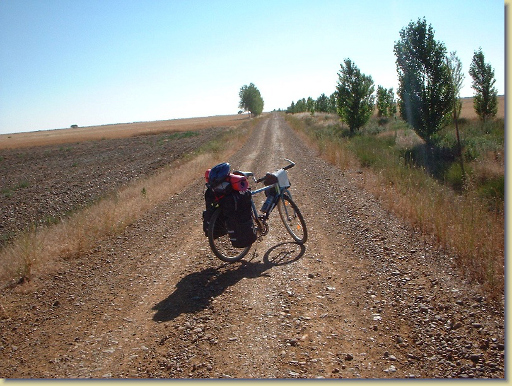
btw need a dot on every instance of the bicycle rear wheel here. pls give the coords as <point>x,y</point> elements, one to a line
<point>220,243</point>
<point>292,219</point>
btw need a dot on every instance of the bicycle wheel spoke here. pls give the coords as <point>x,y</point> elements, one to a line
<point>292,219</point>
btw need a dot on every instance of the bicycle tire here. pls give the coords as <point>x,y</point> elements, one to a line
<point>292,219</point>
<point>220,243</point>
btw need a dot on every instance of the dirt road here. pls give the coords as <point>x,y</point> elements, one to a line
<point>365,297</point>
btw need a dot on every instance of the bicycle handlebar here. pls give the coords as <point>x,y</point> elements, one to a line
<point>289,166</point>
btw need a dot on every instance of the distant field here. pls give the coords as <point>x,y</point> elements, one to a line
<point>468,111</point>
<point>124,130</point>
<point>121,130</point>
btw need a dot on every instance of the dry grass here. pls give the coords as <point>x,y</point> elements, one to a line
<point>463,224</point>
<point>120,130</point>
<point>37,251</point>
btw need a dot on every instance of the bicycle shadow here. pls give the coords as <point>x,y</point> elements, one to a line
<point>195,291</point>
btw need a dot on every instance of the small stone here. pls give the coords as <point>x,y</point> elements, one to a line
<point>390,369</point>
<point>475,357</point>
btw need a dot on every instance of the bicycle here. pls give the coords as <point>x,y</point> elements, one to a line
<point>278,195</point>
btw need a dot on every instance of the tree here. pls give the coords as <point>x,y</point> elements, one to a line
<point>486,97</point>
<point>386,106</point>
<point>457,78</point>
<point>424,91</point>
<point>301,106</point>
<point>332,103</point>
<point>354,96</point>
<point>250,99</point>
<point>322,104</point>
<point>310,103</point>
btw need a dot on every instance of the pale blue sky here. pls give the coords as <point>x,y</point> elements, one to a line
<point>91,62</point>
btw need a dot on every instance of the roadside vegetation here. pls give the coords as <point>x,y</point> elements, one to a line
<point>426,186</point>
<point>440,170</point>
<point>40,248</point>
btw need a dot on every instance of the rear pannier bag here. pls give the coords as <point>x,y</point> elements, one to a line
<point>212,203</point>
<point>237,210</point>
<point>229,192</point>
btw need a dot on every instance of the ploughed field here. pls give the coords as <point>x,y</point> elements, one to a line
<point>74,168</point>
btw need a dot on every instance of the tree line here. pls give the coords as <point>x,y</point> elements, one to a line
<point>430,80</point>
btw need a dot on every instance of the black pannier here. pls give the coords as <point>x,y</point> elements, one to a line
<point>229,192</point>
<point>237,210</point>
<point>212,203</point>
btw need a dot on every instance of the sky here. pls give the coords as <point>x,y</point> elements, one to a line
<point>95,62</point>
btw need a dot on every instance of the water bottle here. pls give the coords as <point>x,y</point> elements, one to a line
<point>267,204</point>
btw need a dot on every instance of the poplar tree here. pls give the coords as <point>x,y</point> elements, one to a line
<point>386,106</point>
<point>322,103</point>
<point>457,79</point>
<point>355,100</point>
<point>485,100</point>
<point>425,97</point>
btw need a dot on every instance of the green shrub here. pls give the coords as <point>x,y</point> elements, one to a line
<point>492,188</point>
<point>454,177</point>
<point>374,151</point>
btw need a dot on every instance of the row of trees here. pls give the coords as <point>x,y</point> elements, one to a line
<point>324,103</point>
<point>430,81</point>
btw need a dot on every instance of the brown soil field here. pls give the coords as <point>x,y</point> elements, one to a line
<point>120,130</point>
<point>40,184</point>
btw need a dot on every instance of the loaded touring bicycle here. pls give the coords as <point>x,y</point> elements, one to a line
<point>231,221</point>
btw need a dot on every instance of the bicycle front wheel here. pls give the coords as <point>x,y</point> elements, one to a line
<point>292,219</point>
<point>220,243</point>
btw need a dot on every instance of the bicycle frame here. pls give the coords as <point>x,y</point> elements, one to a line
<point>282,178</point>
<point>279,194</point>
